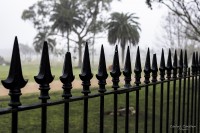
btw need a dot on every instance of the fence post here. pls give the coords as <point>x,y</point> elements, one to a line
<point>137,71</point>
<point>147,71</point>
<point>86,75</point>
<point>198,110</point>
<point>44,78</point>
<point>102,76</point>
<point>67,78</point>
<point>115,73</point>
<point>185,66</point>
<point>162,78</point>
<point>14,83</point>
<point>154,80</point>
<point>169,69</point>
<point>127,74</point>
<point>180,75</point>
<point>196,92</point>
<point>174,90</point>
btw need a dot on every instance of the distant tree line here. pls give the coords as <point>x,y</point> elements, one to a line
<point>80,21</point>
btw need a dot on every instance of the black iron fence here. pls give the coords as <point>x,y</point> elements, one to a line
<point>185,107</point>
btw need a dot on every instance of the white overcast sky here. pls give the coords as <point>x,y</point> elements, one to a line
<point>12,25</point>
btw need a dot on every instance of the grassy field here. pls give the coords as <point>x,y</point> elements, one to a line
<point>29,71</point>
<point>29,121</point>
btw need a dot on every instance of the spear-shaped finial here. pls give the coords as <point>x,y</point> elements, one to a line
<point>162,66</point>
<point>102,71</point>
<point>86,74</point>
<point>127,69</point>
<point>185,65</point>
<point>115,73</point>
<point>15,80</point>
<point>197,62</point>
<point>138,68</point>
<point>154,68</point>
<point>193,63</point>
<point>44,77</point>
<point>67,76</point>
<point>199,65</point>
<point>116,67</point>
<point>175,65</point>
<point>181,64</point>
<point>147,67</point>
<point>169,65</point>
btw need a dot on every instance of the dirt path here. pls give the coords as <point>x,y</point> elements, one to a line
<point>56,85</point>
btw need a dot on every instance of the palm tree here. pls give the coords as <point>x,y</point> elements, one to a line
<point>123,30</point>
<point>65,17</point>
<point>40,38</point>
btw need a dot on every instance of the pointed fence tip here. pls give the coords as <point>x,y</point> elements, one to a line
<point>44,76</point>
<point>86,73</point>
<point>147,68</point>
<point>115,66</point>
<point>15,80</point>
<point>127,66</point>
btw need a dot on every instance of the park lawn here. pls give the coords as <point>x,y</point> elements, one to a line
<point>29,121</point>
<point>29,71</point>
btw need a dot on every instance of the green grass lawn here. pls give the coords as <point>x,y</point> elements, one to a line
<point>29,121</point>
<point>29,71</point>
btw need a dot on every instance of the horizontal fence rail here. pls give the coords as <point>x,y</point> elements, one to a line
<point>171,100</point>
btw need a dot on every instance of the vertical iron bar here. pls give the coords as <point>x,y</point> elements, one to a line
<point>154,80</point>
<point>188,101</point>
<point>153,108</point>
<point>14,122</point>
<point>179,102</point>
<point>115,73</point>
<point>66,118</point>
<point>127,74</point>
<point>195,97</point>
<point>86,75</point>
<point>169,68</point>
<point>184,93</point>
<point>146,110</point>
<point>180,75</point>
<point>137,70</point>
<point>44,78</point>
<point>167,110</point>
<point>137,111</point>
<point>67,78</point>
<point>115,113</point>
<point>44,117</point>
<point>85,115</point>
<point>102,76</point>
<point>14,83</point>
<point>162,78</point>
<point>193,89</point>
<point>174,105</point>
<point>127,114</point>
<point>147,71</point>
<point>161,107</point>
<point>174,90</point>
<point>198,110</point>
<point>185,66</point>
<point>192,102</point>
<point>101,127</point>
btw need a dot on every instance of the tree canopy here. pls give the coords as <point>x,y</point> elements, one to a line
<point>81,19</point>
<point>123,29</point>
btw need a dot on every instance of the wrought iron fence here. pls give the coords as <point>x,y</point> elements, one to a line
<point>185,108</point>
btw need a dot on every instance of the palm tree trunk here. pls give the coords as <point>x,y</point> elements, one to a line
<point>123,49</point>
<point>79,54</point>
<point>68,41</point>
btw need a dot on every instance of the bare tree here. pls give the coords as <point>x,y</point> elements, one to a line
<point>174,37</point>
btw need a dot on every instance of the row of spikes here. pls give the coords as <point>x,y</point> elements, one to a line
<point>15,80</point>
